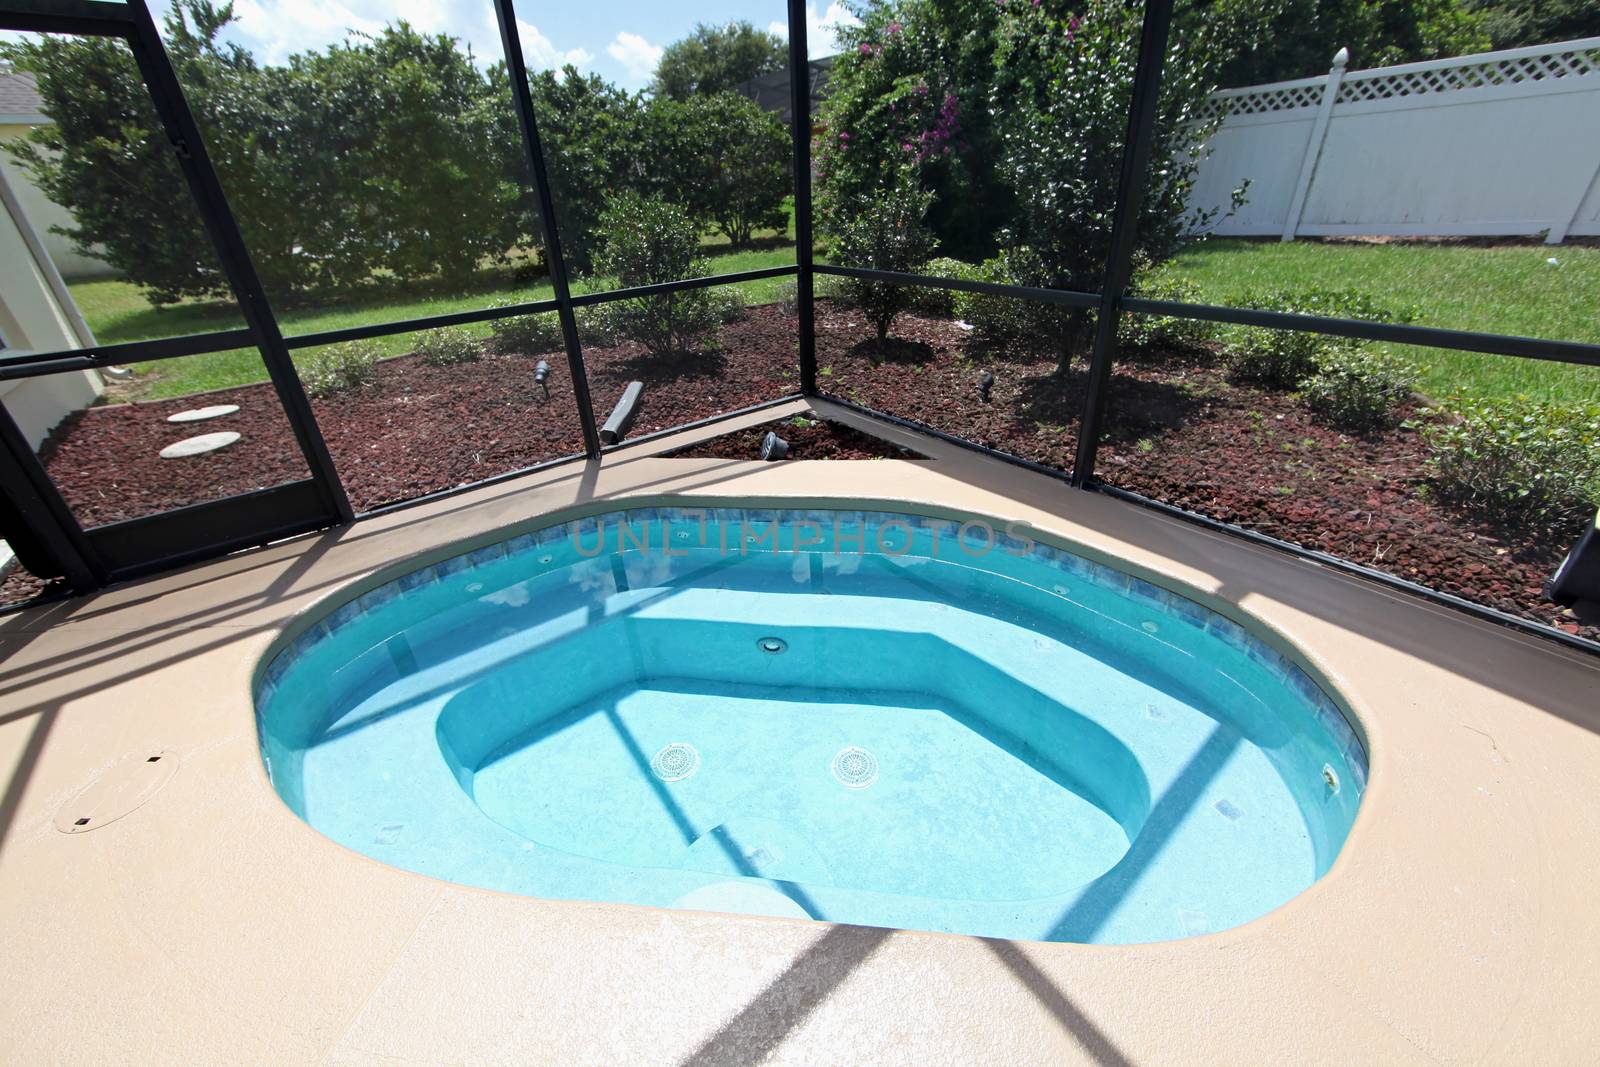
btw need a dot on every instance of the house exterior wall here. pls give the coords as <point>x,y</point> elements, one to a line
<point>33,319</point>
<point>46,214</point>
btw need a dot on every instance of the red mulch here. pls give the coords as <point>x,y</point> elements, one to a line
<point>420,429</point>
<point>808,439</point>
<point>1177,432</point>
<point>17,586</point>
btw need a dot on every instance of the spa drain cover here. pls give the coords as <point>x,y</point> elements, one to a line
<point>854,767</point>
<point>675,762</point>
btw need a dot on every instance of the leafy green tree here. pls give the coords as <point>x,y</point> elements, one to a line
<point>1515,23</point>
<point>104,157</point>
<point>1306,34</point>
<point>590,130</point>
<point>715,58</point>
<point>722,158</point>
<point>372,155</point>
<point>912,87</point>
<point>410,115</point>
<point>1067,80</point>
<point>1013,116</point>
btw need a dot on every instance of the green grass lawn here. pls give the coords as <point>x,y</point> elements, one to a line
<point>1510,289</point>
<point>117,312</point>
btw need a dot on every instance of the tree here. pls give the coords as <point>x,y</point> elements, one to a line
<point>103,157</point>
<point>912,86</point>
<point>715,58</point>
<point>374,155</point>
<point>1306,34</point>
<point>1014,114</point>
<point>722,158</point>
<point>392,131</point>
<point>1515,23</point>
<point>590,131</point>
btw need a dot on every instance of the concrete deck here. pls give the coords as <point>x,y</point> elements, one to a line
<point>210,925</point>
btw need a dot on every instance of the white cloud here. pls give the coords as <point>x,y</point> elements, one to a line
<point>541,54</point>
<point>821,30</point>
<point>274,29</point>
<point>637,56</point>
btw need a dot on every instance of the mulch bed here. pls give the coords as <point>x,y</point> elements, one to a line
<point>808,439</point>
<point>1177,432</point>
<point>420,429</point>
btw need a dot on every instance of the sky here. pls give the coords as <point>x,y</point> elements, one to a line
<point>621,40</point>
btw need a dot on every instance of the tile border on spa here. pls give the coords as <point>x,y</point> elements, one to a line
<point>1157,598</point>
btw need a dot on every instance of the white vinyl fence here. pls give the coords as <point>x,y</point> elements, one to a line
<point>1498,144</point>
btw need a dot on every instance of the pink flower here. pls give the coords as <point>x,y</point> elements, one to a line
<point>895,27</point>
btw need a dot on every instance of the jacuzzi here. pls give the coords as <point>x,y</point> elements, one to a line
<point>906,720</point>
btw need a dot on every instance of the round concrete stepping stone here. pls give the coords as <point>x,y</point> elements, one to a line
<point>196,446</point>
<point>215,411</point>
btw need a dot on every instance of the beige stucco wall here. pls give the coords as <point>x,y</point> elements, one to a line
<point>46,215</point>
<point>32,318</point>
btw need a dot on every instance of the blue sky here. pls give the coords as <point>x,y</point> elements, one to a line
<point>618,39</point>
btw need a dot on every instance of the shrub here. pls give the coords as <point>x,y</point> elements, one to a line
<point>728,302</point>
<point>1282,359</point>
<point>342,367</point>
<point>883,231</point>
<point>1009,320</point>
<point>1357,388</point>
<point>647,241</point>
<point>1136,332</point>
<point>446,346</point>
<point>527,334</point>
<point>1276,359</point>
<point>1518,458</point>
<point>595,326</point>
<point>940,303</point>
<point>789,296</point>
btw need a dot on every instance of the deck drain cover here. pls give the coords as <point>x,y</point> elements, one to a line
<point>675,762</point>
<point>854,767</point>
<point>117,792</point>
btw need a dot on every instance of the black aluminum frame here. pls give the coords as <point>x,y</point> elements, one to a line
<point>207,530</point>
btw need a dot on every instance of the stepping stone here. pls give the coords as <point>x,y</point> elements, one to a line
<point>197,446</point>
<point>215,411</point>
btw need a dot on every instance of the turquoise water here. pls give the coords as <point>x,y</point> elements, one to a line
<point>865,718</point>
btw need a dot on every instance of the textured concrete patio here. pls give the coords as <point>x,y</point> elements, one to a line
<point>211,925</point>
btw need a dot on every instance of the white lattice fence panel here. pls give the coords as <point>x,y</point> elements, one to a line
<point>1463,74</point>
<point>1501,144</point>
<point>1290,97</point>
